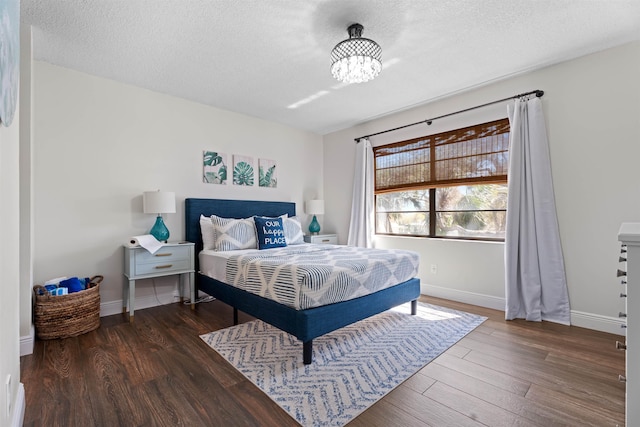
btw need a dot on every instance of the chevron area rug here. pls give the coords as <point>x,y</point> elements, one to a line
<point>352,367</point>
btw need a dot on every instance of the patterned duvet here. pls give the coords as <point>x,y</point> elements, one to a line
<point>306,276</point>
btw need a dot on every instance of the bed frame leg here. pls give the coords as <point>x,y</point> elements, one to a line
<point>235,316</point>
<point>414,307</point>
<point>307,352</point>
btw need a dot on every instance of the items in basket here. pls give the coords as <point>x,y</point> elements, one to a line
<point>64,286</point>
<point>75,284</point>
<point>56,291</point>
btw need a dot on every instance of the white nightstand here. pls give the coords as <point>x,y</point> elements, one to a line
<point>331,239</point>
<point>171,258</point>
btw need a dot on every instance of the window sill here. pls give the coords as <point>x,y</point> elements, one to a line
<point>438,239</point>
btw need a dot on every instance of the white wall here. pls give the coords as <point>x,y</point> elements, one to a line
<point>592,110</point>
<point>98,144</point>
<point>9,267</point>
<point>27,331</point>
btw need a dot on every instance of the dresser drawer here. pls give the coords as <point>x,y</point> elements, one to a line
<point>161,266</point>
<point>164,255</point>
<point>329,239</point>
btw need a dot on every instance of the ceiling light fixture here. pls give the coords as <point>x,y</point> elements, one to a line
<point>356,60</point>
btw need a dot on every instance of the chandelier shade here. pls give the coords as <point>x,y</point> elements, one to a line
<point>356,60</point>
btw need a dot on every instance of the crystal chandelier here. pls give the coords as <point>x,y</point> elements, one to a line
<point>356,60</point>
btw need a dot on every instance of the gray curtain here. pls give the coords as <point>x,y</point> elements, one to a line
<point>362,214</point>
<point>536,287</point>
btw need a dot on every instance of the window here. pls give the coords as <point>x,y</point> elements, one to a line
<point>452,184</point>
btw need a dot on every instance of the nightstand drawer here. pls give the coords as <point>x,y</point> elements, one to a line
<point>161,266</point>
<point>170,259</point>
<point>329,239</point>
<point>164,255</point>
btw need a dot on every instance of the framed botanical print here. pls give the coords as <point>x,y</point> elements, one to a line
<point>267,173</point>
<point>214,167</point>
<point>243,172</point>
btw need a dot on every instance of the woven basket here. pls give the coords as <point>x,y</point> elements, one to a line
<point>69,315</point>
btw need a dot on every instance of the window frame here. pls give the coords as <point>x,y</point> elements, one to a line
<point>433,184</point>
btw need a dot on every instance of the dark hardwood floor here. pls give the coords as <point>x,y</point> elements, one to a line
<point>158,372</point>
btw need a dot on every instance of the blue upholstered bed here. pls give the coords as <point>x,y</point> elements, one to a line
<point>303,324</point>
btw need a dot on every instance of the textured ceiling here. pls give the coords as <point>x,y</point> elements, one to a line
<point>270,58</point>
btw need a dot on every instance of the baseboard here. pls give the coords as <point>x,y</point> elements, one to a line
<point>596,322</point>
<point>115,307</point>
<point>27,342</point>
<point>612,325</point>
<point>19,407</point>
<point>481,300</point>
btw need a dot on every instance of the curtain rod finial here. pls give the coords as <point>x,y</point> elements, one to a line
<point>539,93</point>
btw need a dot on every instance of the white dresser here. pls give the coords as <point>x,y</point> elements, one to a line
<point>629,236</point>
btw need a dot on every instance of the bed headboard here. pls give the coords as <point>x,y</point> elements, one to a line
<point>193,208</point>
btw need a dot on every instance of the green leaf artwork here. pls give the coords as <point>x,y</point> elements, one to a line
<point>267,173</point>
<point>242,170</point>
<point>214,167</point>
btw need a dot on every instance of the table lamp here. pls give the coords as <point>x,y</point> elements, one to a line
<point>315,207</point>
<point>159,202</point>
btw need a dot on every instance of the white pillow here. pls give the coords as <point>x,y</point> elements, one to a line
<point>208,234</point>
<point>293,231</point>
<point>233,234</point>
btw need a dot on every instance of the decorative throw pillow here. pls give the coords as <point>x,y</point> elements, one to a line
<point>293,231</point>
<point>208,234</point>
<point>233,234</point>
<point>270,232</point>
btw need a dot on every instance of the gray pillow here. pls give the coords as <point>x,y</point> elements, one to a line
<point>233,234</point>
<point>293,231</point>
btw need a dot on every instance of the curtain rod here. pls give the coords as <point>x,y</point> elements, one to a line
<point>537,92</point>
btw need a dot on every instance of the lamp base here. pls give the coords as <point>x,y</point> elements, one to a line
<point>314,227</point>
<point>159,230</point>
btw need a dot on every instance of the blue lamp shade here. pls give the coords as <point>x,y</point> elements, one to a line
<point>159,202</point>
<point>314,207</point>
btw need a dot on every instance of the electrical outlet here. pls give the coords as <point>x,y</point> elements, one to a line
<point>8,394</point>
<point>434,269</point>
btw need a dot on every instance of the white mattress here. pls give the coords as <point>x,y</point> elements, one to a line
<point>310,275</point>
<point>214,263</point>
